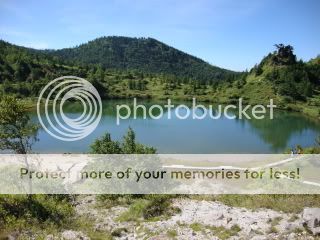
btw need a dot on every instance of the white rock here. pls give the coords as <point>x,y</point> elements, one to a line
<point>292,236</point>
<point>73,235</point>
<point>311,218</point>
<point>259,238</point>
<point>50,237</point>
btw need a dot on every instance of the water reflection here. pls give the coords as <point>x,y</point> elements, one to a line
<point>193,135</point>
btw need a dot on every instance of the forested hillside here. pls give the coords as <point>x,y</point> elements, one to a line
<point>24,71</point>
<point>291,78</point>
<point>292,83</point>
<point>144,54</point>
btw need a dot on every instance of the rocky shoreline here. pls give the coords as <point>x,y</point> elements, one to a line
<point>199,220</point>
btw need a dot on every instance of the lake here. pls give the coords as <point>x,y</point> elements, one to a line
<point>285,131</point>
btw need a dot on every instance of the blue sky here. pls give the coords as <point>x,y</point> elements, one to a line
<point>233,34</point>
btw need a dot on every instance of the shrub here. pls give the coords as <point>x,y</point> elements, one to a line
<point>157,206</point>
<point>35,209</point>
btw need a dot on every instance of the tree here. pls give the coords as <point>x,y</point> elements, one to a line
<point>318,140</point>
<point>284,51</point>
<point>131,84</point>
<point>105,145</point>
<point>17,133</point>
<point>285,54</point>
<point>129,141</point>
<point>99,74</point>
<point>102,90</point>
<point>130,146</point>
<point>259,70</point>
<point>22,71</point>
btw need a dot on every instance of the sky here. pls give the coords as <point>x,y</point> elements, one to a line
<point>233,34</point>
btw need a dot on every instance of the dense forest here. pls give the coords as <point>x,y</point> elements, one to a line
<point>143,54</point>
<point>24,71</point>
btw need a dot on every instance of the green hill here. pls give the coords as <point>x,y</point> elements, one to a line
<point>292,84</point>
<point>24,71</point>
<point>143,54</point>
<point>294,79</point>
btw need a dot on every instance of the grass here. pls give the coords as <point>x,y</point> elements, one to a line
<point>273,229</point>
<point>293,218</point>
<point>196,227</point>
<point>135,211</point>
<point>275,221</point>
<point>224,233</point>
<point>111,200</point>
<point>41,231</point>
<point>87,227</point>
<point>172,233</point>
<point>40,211</point>
<point>220,232</point>
<point>298,230</point>
<point>150,208</point>
<point>42,215</point>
